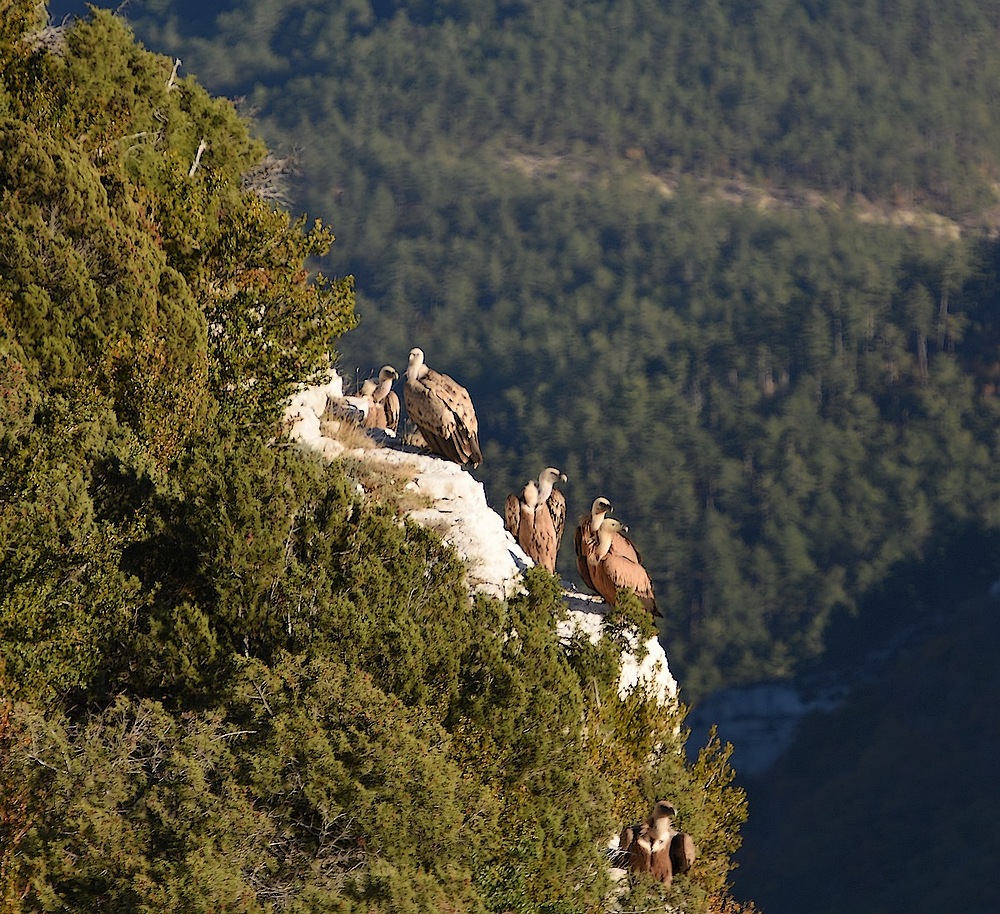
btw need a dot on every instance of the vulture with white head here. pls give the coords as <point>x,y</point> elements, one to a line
<point>610,569</point>
<point>649,845</point>
<point>585,540</point>
<point>442,411</point>
<point>384,410</point>
<point>537,518</point>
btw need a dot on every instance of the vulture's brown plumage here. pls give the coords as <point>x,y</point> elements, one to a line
<point>585,540</point>
<point>383,410</point>
<point>537,518</point>
<point>442,411</point>
<point>585,537</point>
<point>647,845</point>
<point>616,564</point>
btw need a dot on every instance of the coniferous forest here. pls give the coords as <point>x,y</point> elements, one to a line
<point>730,265</point>
<point>733,265</point>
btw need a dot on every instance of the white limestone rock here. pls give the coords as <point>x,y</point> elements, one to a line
<point>652,672</point>
<point>458,510</point>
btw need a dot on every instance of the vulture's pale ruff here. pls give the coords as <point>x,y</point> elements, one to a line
<point>384,410</point>
<point>611,570</point>
<point>585,540</point>
<point>442,411</point>
<point>537,518</point>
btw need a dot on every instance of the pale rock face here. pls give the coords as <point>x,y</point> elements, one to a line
<point>306,406</point>
<point>459,512</point>
<point>304,425</point>
<point>652,673</point>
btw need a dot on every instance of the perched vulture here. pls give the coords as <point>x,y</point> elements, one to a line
<point>537,518</point>
<point>384,410</point>
<point>610,569</point>
<point>519,515</point>
<point>585,537</point>
<point>442,411</point>
<point>355,408</point>
<point>649,845</point>
<point>585,540</point>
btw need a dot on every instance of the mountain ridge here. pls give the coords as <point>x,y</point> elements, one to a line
<point>453,504</point>
<point>764,196</point>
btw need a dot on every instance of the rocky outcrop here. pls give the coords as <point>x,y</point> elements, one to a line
<point>454,504</point>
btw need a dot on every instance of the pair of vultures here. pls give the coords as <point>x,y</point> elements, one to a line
<point>444,420</point>
<point>445,423</point>
<point>439,409</point>
<point>606,558</point>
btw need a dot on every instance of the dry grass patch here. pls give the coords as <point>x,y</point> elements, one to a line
<point>351,435</point>
<point>386,482</point>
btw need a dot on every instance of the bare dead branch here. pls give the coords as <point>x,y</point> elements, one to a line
<point>269,179</point>
<point>202,146</point>
<point>172,82</point>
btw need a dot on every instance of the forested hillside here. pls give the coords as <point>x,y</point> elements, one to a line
<point>232,677</point>
<point>858,98</point>
<point>662,245</point>
<point>881,786</point>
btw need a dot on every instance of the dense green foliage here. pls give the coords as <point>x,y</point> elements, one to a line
<point>229,678</point>
<point>786,396</point>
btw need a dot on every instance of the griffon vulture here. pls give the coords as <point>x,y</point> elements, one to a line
<point>384,409</point>
<point>519,515</point>
<point>442,411</point>
<point>611,570</point>
<point>585,540</point>
<point>648,844</point>
<point>537,518</point>
<point>585,537</point>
